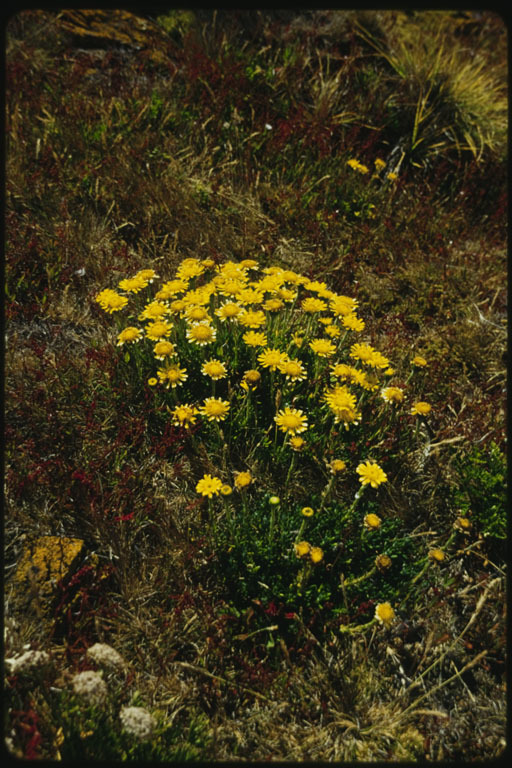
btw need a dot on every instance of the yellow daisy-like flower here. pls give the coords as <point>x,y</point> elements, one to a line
<point>158,329</point>
<point>177,307</point>
<point>208,263</point>
<point>228,310</point>
<point>383,563</point>
<point>286,294</point>
<point>316,554</point>
<point>201,334</point>
<point>313,304</point>
<point>379,164</point>
<point>226,490</point>
<point>163,349</point>
<point>389,372</point>
<point>392,176</point>
<point>293,370</point>
<point>322,347</point>
<point>339,399</point>
<point>337,465</point>
<point>273,305</point>
<point>342,305</point>
<point>184,415</point>
<point>352,322</point>
<point>209,486</point>
<point>147,274</point>
<point>242,480</point>
<point>154,311</point>
<point>189,268</point>
<point>371,474</point>
<point>419,361</point>
<point>110,301</point>
<point>172,376</point>
<point>463,524</point>
<point>377,360</point>
<point>130,334</point>
<point>362,352</point>
<point>215,369</point>
<point>250,296</point>
<point>333,330</point>
<point>302,548</point>
<point>215,409</point>
<point>297,339</point>
<point>385,613</point>
<point>307,511</point>
<point>372,522</point>
<point>251,379</point>
<point>152,381</point>
<point>318,287</point>
<point>272,358</point>
<point>171,288</point>
<point>437,555</point>
<point>357,166</point>
<point>297,443</point>
<point>252,318</point>
<point>255,339</point>
<point>197,313</point>
<point>421,408</point>
<point>291,421</point>
<point>392,394</point>
<point>133,284</point>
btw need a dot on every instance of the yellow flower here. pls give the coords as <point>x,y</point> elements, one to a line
<point>379,164</point>
<point>372,522</point>
<point>392,176</point>
<point>274,500</point>
<point>362,352</point>
<point>342,305</point>
<point>357,166</point>
<point>421,409</point>
<point>215,369</point>
<point>215,409</point>
<point>383,563</point>
<point>352,322</point>
<point>242,480</point>
<point>172,376</point>
<point>130,335</point>
<point>392,394</point>
<point>184,415</point>
<point>322,347</point>
<point>133,284</point>
<point>316,554</point>
<point>154,311</point>
<point>201,334</point>
<point>171,288</point>
<point>272,305</point>
<point>463,524</point>
<point>147,274</point>
<point>312,304</point>
<point>419,361</point>
<point>337,465</point>
<point>163,349</point>
<point>110,301</point>
<point>272,358</point>
<point>189,268</point>
<point>291,421</point>
<point>293,370</point>
<point>302,548</point>
<point>255,339</point>
<point>177,306</point>
<point>370,473</point>
<point>228,310</point>
<point>297,339</point>
<point>437,555</point>
<point>252,318</point>
<point>226,490</point>
<point>158,329</point>
<point>307,511</point>
<point>209,486</point>
<point>384,613</point>
<point>377,360</point>
<point>197,313</point>
<point>297,443</point>
<point>342,403</point>
<point>152,381</point>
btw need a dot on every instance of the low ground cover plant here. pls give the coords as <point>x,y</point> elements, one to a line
<point>255,440</point>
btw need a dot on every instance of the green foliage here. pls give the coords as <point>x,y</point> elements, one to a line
<point>481,492</point>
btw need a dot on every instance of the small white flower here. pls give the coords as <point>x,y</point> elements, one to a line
<point>27,662</point>
<point>268,127</point>
<point>137,721</point>
<point>105,656</point>
<point>91,686</point>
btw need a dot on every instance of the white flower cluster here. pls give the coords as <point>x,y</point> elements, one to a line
<point>105,656</point>
<point>27,662</point>
<point>137,721</point>
<point>91,686</point>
